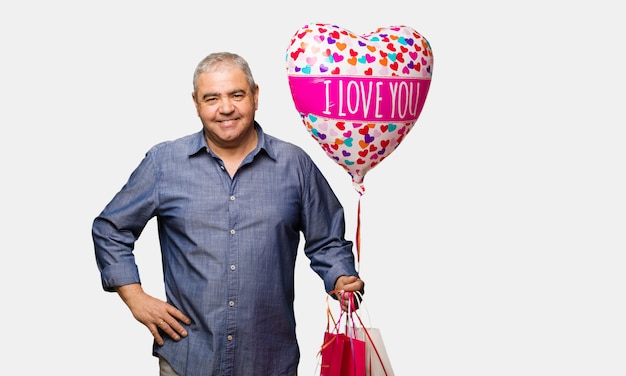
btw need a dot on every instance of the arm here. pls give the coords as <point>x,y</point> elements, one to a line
<point>330,253</point>
<point>115,232</point>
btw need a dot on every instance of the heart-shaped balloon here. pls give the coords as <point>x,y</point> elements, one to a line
<point>358,96</point>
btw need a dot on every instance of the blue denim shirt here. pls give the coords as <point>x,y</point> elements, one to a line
<point>228,248</point>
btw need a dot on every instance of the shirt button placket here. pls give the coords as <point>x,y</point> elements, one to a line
<point>233,268</point>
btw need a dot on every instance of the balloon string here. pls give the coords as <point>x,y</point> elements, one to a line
<point>358,235</point>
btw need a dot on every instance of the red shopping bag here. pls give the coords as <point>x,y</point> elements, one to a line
<point>332,354</point>
<point>342,353</point>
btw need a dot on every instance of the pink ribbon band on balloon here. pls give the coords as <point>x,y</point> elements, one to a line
<point>369,99</point>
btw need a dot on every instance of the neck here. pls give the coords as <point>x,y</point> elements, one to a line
<point>233,155</point>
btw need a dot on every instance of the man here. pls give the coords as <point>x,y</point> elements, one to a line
<point>230,202</point>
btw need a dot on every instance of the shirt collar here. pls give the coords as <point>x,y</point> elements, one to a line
<point>199,143</point>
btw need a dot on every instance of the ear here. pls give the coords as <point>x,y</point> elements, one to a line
<point>256,97</point>
<point>195,102</point>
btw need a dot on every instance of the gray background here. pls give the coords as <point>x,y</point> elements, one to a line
<point>492,238</point>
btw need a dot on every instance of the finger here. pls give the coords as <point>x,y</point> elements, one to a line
<point>345,300</point>
<point>177,330</point>
<point>155,333</point>
<point>178,315</point>
<point>172,328</point>
<point>356,285</point>
<point>178,318</point>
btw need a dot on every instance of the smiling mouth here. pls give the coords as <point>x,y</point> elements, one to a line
<point>228,122</point>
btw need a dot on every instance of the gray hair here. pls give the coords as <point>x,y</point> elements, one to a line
<point>219,60</point>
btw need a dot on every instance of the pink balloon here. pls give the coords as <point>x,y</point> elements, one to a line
<point>358,96</point>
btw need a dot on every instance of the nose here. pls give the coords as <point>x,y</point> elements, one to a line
<point>226,106</point>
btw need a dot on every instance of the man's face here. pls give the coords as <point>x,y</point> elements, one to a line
<point>226,106</point>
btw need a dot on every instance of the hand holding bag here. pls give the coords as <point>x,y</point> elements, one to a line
<point>342,353</point>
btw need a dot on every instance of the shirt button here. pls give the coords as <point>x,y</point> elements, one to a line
<point>231,303</point>
<point>233,267</point>
<point>232,232</point>
<point>232,198</point>
<point>230,338</point>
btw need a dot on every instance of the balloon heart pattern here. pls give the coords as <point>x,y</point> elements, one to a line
<point>358,96</point>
